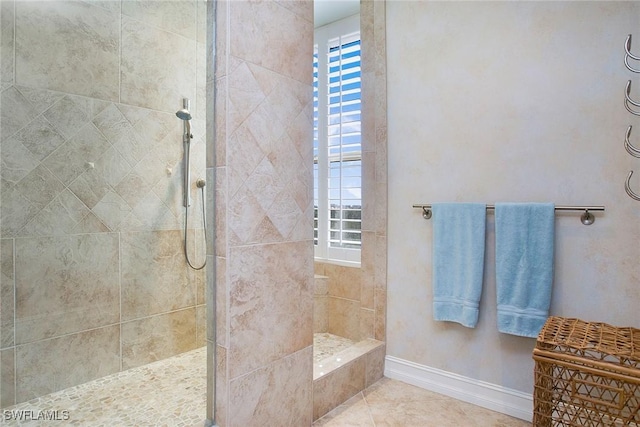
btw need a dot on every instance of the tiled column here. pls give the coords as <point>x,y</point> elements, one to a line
<point>263,202</point>
<point>374,167</point>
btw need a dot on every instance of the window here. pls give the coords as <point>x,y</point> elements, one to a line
<point>337,141</point>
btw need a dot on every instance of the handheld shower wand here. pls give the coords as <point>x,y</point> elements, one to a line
<point>185,116</point>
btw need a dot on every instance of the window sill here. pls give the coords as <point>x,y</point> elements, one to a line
<point>343,263</point>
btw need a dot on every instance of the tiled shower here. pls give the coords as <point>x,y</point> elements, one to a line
<point>93,273</point>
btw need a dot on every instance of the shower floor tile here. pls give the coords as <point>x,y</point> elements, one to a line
<point>326,344</point>
<point>170,392</point>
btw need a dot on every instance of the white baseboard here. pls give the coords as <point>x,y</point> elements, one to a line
<point>497,398</point>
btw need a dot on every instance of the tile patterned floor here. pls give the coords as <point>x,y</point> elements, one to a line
<point>391,403</point>
<point>170,392</point>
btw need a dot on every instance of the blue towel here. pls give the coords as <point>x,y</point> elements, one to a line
<point>524,266</point>
<point>458,261</point>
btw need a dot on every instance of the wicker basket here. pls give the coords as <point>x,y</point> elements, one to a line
<point>586,374</point>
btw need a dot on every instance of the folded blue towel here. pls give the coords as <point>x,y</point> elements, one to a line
<point>458,261</point>
<point>524,266</point>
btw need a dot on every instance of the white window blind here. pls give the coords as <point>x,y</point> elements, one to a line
<point>337,141</point>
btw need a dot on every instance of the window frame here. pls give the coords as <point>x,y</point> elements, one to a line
<point>323,250</point>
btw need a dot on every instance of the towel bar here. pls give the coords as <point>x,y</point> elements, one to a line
<point>586,218</point>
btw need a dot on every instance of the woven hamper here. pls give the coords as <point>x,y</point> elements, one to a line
<point>586,374</point>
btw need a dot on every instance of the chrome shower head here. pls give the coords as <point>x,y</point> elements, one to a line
<point>185,115</point>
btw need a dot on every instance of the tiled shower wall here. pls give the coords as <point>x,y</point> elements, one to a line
<point>264,229</point>
<point>93,279</point>
<point>342,306</point>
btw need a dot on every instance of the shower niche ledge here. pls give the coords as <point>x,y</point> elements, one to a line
<point>342,375</point>
<point>344,357</point>
<point>345,363</point>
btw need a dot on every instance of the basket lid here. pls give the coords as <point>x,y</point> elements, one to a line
<point>592,339</point>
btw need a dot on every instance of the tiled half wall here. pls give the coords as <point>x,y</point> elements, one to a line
<point>93,278</point>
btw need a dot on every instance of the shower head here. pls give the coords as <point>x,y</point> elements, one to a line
<point>184,114</point>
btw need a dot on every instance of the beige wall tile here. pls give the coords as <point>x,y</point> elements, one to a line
<point>220,216</point>
<point>218,157</point>
<point>222,302</point>
<point>270,295</point>
<point>374,365</point>
<point>39,187</point>
<point>46,366</point>
<point>200,101</point>
<point>120,133</point>
<point>201,325</point>
<point>344,282</point>
<point>318,268</point>
<point>336,387</point>
<point>158,67</point>
<point>380,321</point>
<point>7,292</point>
<point>42,99</point>
<point>320,284</point>
<point>172,16</point>
<point>6,43</point>
<point>65,284</point>
<point>72,158</point>
<point>112,210</point>
<point>367,323</point>
<point>90,224</point>
<point>86,48</point>
<point>17,161</point>
<point>94,183</point>
<point>254,20</point>
<point>320,313</point>
<point>155,277</point>
<point>211,383</point>
<point>71,113</point>
<point>7,377</point>
<point>198,256</point>
<point>344,318</point>
<point>22,152</point>
<point>210,195</point>
<point>59,217</point>
<point>39,137</point>
<point>279,393</point>
<point>157,337</point>
<point>15,209</point>
<point>16,111</point>
<point>368,269</point>
<point>222,386</point>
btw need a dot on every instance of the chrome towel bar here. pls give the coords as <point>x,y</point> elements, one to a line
<point>586,218</point>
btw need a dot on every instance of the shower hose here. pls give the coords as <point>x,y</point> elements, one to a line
<point>204,228</point>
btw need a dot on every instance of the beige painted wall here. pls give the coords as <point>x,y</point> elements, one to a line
<point>509,101</point>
